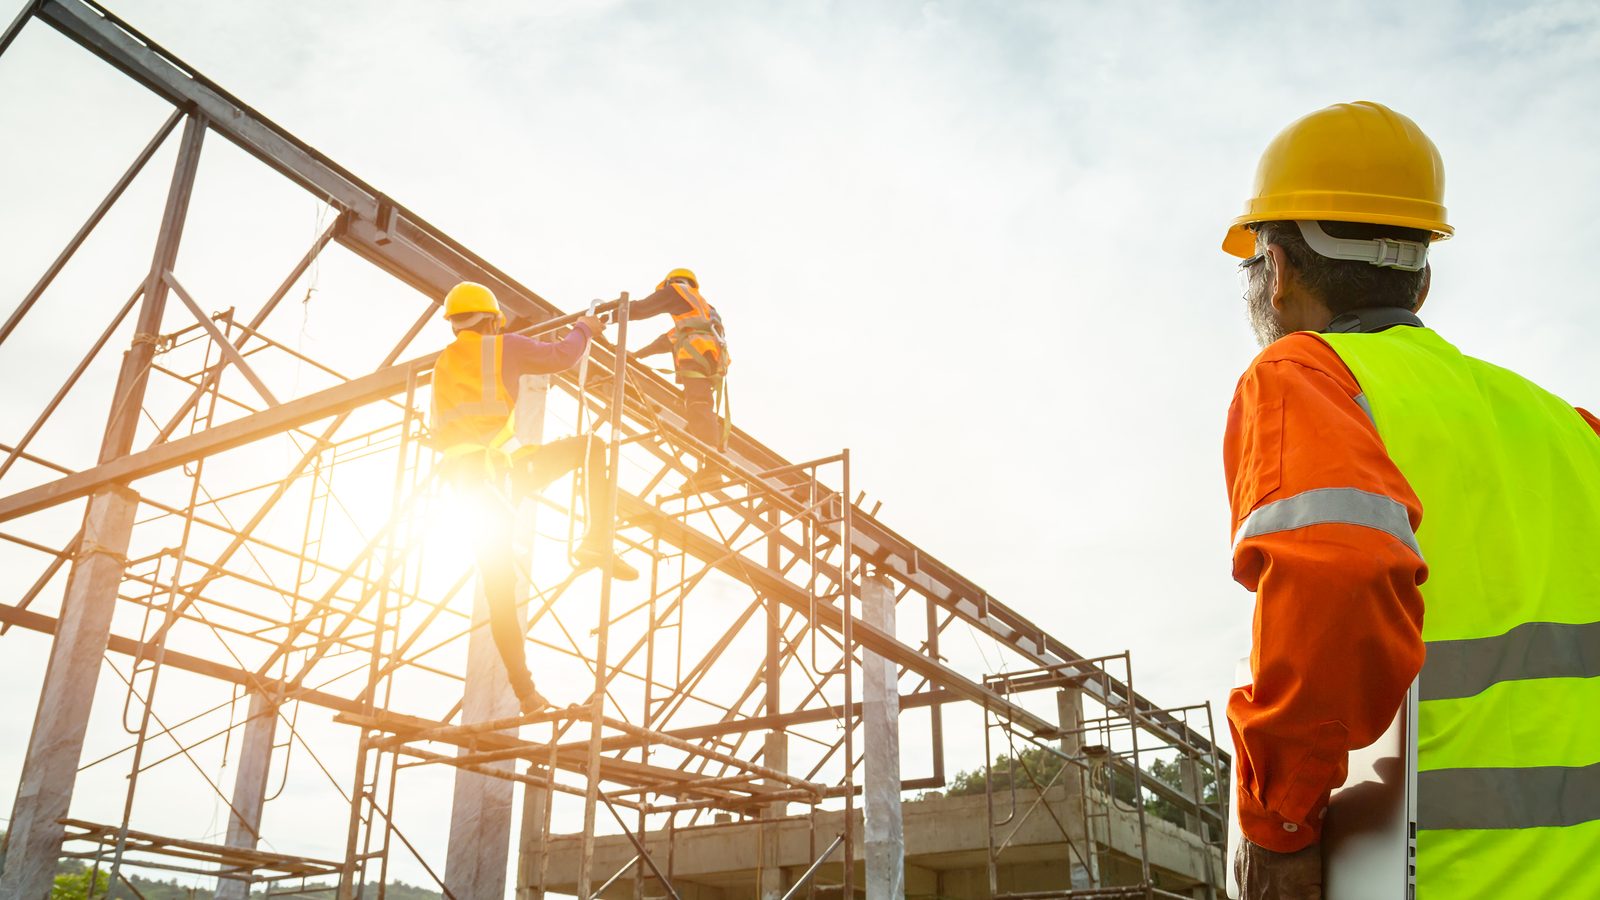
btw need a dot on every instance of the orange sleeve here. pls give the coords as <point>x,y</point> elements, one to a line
<point>1590,418</point>
<point>1337,631</point>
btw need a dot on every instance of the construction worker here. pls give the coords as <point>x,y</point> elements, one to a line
<point>700,359</point>
<point>1402,508</point>
<point>475,382</point>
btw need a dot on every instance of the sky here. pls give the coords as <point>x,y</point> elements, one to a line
<point>975,243</point>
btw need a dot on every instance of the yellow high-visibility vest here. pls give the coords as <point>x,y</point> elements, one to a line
<point>1508,725</point>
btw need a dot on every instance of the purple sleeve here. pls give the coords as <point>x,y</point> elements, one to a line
<point>664,300</point>
<point>525,356</point>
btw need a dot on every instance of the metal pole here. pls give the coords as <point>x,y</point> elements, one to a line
<point>88,226</point>
<point>847,633</point>
<point>16,24</point>
<point>215,372</point>
<point>805,877</point>
<point>364,789</point>
<point>775,754</point>
<point>988,801</point>
<point>649,698</point>
<point>44,792</point>
<point>1223,799</point>
<point>19,450</point>
<point>608,526</point>
<point>159,656</point>
<point>1138,774</point>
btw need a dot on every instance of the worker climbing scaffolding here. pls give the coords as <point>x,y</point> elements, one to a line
<point>699,347</point>
<point>475,383</point>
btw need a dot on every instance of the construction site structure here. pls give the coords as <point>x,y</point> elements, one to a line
<point>259,553</point>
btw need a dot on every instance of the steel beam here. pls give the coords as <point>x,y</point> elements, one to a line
<point>88,226</point>
<point>352,711</point>
<point>49,771</point>
<point>380,385</point>
<point>385,383</point>
<point>414,251</point>
<point>224,346</point>
<point>773,584</point>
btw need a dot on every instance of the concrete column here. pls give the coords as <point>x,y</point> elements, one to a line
<point>1189,782</point>
<point>775,756</point>
<point>48,772</point>
<point>44,792</point>
<point>250,788</point>
<point>480,812</point>
<point>880,714</point>
<point>531,842</point>
<point>1069,715</point>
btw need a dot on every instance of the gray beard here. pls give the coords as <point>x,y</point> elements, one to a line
<point>1263,318</point>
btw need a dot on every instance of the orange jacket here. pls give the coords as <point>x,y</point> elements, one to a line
<point>1337,632</point>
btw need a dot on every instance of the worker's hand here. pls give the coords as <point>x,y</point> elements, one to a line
<point>1267,875</point>
<point>596,327</point>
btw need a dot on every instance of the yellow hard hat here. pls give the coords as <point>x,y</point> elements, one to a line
<point>1350,162</point>
<point>682,273</point>
<point>471,297</point>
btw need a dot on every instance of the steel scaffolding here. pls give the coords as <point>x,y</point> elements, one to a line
<point>239,528</point>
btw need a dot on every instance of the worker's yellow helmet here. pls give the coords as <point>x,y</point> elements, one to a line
<point>471,297</point>
<point>682,273</point>
<point>1350,162</point>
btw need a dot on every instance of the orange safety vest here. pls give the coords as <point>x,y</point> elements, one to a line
<point>699,346</point>
<point>471,406</point>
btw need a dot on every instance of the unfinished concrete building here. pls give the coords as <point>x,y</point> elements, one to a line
<point>253,554</point>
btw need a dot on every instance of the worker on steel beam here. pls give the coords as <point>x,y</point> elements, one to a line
<point>1400,508</point>
<point>699,347</point>
<point>475,383</point>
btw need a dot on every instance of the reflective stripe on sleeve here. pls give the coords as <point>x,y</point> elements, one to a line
<point>1465,668</point>
<point>1361,401</point>
<point>1535,797</point>
<point>1325,506</point>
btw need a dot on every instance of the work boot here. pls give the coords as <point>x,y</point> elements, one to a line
<point>703,479</point>
<point>595,556</point>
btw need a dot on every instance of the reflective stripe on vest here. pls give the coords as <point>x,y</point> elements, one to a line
<point>699,348</point>
<point>470,403</point>
<point>1508,752</point>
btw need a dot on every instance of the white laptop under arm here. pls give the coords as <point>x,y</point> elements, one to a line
<point>1369,836</point>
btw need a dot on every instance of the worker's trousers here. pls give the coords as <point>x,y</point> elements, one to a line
<point>531,473</point>
<point>700,410</point>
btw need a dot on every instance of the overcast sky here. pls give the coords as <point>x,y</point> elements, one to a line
<point>975,243</point>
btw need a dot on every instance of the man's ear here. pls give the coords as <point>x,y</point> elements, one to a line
<point>1427,281</point>
<point>1278,270</point>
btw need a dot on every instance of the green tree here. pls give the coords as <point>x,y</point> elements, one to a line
<point>1034,764</point>
<point>1169,772</point>
<point>1035,767</point>
<point>76,886</point>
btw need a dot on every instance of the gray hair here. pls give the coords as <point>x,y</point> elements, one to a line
<point>1347,284</point>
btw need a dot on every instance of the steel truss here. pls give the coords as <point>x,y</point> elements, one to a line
<point>192,564</point>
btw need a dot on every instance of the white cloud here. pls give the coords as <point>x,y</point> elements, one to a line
<point>975,242</point>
